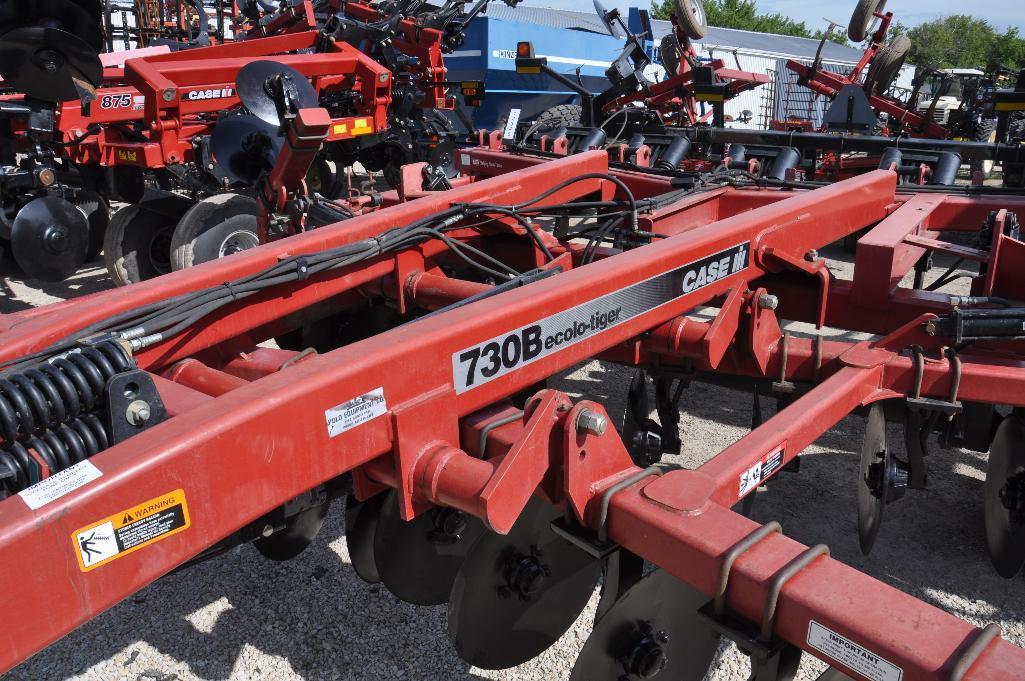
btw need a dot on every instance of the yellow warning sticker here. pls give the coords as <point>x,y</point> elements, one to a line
<point>130,530</point>
<point>361,126</point>
<point>341,129</point>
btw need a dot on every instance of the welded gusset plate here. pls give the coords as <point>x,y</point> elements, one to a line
<point>418,560</point>
<point>49,64</point>
<point>50,238</point>
<point>652,632</point>
<point>1005,497</point>
<point>81,19</point>
<point>269,90</point>
<point>516,594</point>
<point>360,527</point>
<point>245,146</point>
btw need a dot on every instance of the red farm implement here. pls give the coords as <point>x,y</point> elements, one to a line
<point>200,122</point>
<point>145,428</point>
<point>875,72</point>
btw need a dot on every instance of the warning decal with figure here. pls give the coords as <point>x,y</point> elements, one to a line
<point>131,529</point>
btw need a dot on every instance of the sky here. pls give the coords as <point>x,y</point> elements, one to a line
<point>1000,13</point>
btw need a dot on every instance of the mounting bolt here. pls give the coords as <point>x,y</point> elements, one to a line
<point>768,301</point>
<point>383,78</point>
<point>591,422</point>
<point>168,94</point>
<point>267,530</point>
<point>137,413</point>
<point>812,255</point>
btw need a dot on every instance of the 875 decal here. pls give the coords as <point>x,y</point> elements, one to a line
<point>122,100</point>
<point>502,354</point>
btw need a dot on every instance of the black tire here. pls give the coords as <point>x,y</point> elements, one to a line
<point>985,132</point>
<point>669,53</point>
<point>690,15</point>
<point>1016,126</point>
<point>137,245</point>
<point>885,67</point>
<point>564,114</point>
<point>216,227</point>
<point>97,213</point>
<point>322,178</point>
<point>863,18</point>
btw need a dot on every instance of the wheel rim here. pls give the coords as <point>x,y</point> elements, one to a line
<point>160,250</point>
<point>698,10</point>
<point>237,241</point>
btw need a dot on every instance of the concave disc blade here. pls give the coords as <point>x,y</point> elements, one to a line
<point>444,156</point>
<point>503,609</point>
<point>258,82</point>
<point>46,63</point>
<point>299,532</point>
<point>244,146</point>
<point>81,19</point>
<point>612,27</point>
<point>418,560</point>
<point>652,632</point>
<point>1005,537</point>
<point>50,238</point>
<point>870,503</point>
<point>360,527</point>
<point>94,8</point>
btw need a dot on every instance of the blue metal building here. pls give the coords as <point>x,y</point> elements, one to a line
<point>578,40</point>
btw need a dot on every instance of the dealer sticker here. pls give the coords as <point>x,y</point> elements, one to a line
<point>129,530</point>
<point>356,411</point>
<point>762,470</point>
<point>851,655</point>
<point>60,483</point>
<point>476,365</point>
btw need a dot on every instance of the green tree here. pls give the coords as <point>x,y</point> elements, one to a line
<point>1007,49</point>
<point>955,41</point>
<point>961,41</point>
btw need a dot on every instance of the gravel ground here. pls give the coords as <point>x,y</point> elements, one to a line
<point>243,617</point>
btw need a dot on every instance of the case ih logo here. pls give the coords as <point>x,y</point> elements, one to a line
<point>216,93</point>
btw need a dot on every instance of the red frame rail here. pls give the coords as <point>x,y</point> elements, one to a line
<point>256,445</point>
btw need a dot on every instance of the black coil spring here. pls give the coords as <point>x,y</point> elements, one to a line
<point>48,408</point>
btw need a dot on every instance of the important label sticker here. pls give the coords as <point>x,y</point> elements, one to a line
<point>476,365</point>
<point>851,655</point>
<point>130,530</point>
<point>59,484</point>
<point>356,411</point>
<point>766,466</point>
